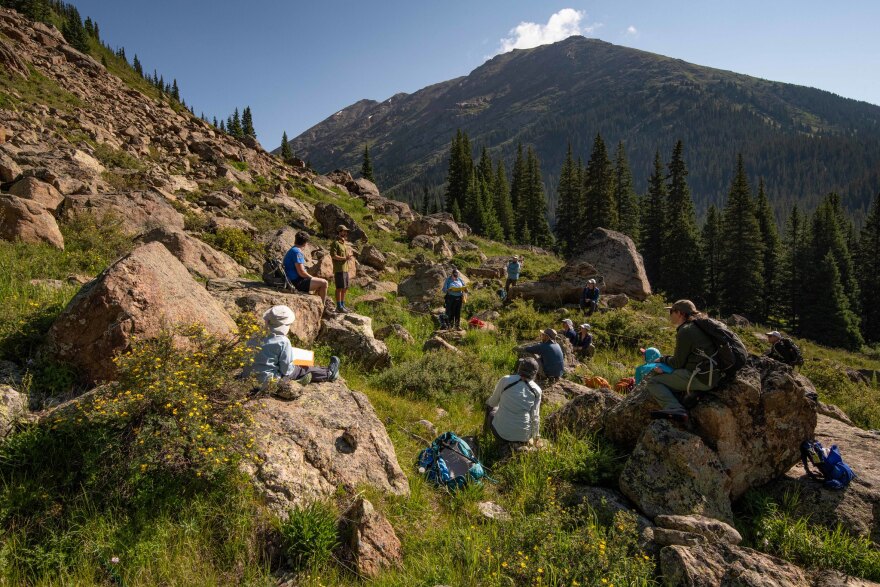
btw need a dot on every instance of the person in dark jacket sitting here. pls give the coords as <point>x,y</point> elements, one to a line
<point>783,349</point>
<point>583,346</point>
<point>549,355</point>
<point>590,297</point>
<point>690,362</point>
<point>569,332</point>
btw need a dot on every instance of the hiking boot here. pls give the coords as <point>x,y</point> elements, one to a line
<point>674,415</point>
<point>344,310</point>
<point>305,379</point>
<point>334,369</point>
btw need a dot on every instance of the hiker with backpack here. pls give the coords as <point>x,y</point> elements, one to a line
<point>590,298</point>
<point>341,256</point>
<point>513,411</point>
<point>454,290</point>
<point>784,350</point>
<point>695,368</point>
<point>549,353</point>
<point>295,269</point>
<point>514,267</point>
<point>274,354</point>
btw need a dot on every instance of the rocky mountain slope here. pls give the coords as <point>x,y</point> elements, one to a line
<point>570,90</point>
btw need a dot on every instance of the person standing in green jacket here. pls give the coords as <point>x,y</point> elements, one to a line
<point>690,363</point>
<point>340,254</point>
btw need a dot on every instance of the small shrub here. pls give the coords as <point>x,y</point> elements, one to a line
<point>117,158</point>
<point>234,242</point>
<point>438,375</point>
<point>309,535</point>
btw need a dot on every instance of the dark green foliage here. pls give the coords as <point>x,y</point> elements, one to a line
<point>286,152</point>
<point>438,376</point>
<point>827,317</point>
<point>459,174</point>
<point>533,207</point>
<point>74,31</point>
<point>681,261</point>
<point>869,273</point>
<point>795,265</point>
<point>309,535</point>
<point>653,221</point>
<point>625,196</point>
<point>600,207</point>
<point>770,238</point>
<point>175,91</point>
<point>518,190</point>
<point>741,284</point>
<point>479,208</point>
<point>247,123</point>
<point>569,208</point>
<point>233,125</point>
<point>136,64</point>
<point>503,205</point>
<point>367,165</point>
<point>711,243</point>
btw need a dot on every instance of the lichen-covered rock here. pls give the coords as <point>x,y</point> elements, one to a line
<point>710,529</point>
<point>12,406</point>
<point>197,256</point>
<point>372,257</point>
<point>723,565</point>
<point>28,222</point>
<point>440,224</point>
<point>370,541</point>
<point>615,257</point>
<point>352,335</point>
<point>582,415</point>
<point>137,212</point>
<point>395,330</point>
<point>45,194</point>
<point>426,283</point>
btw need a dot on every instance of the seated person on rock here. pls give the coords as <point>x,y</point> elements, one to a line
<point>549,354</point>
<point>690,364</point>
<point>274,359</point>
<point>569,332</point>
<point>583,345</point>
<point>590,297</point>
<point>295,269</point>
<point>783,349</point>
<point>652,361</point>
<point>513,412</point>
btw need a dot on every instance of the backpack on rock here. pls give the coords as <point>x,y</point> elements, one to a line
<point>731,353</point>
<point>831,470</point>
<point>274,275</point>
<point>449,462</point>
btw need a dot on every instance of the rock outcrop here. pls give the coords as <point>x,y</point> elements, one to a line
<point>583,415</point>
<point>329,216</point>
<point>440,224</point>
<point>141,294</point>
<point>723,565</point>
<point>45,194</point>
<point>426,283</point>
<point>29,222</point>
<point>328,437</point>
<point>370,541</point>
<point>137,212</point>
<point>196,255</point>
<point>352,335</point>
<point>615,257</point>
<point>558,288</point>
<point>12,406</point>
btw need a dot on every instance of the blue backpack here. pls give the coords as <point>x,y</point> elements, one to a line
<point>450,462</point>
<point>831,470</point>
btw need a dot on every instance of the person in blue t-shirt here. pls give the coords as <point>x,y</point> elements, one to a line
<point>295,269</point>
<point>514,267</point>
<point>590,297</point>
<point>549,355</point>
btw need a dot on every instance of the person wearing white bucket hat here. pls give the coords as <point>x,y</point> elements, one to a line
<point>274,358</point>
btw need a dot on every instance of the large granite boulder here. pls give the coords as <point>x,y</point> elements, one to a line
<point>352,336</point>
<point>242,295</point>
<point>197,256</point>
<point>141,294</point>
<point>29,222</point>
<point>426,283</point>
<point>583,414</point>
<point>615,257</point>
<point>373,257</point>
<point>724,565</point>
<point>137,212</point>
<point>45,194</point>
<point>326,438</point>
<point>329,216</point>
<point>440,224</point>
<point>558,288</point>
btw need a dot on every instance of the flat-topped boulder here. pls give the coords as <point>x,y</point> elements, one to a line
<point>440,224</point>
<point>137,212</point>
<point>196,255</point>
<point>139,295</point>
<point>352,336</point>
<point>616,259</point>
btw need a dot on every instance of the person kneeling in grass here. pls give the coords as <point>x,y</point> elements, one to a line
<point>274,359</point>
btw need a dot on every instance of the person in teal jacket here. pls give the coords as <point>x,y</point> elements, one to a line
<point>652,361</point>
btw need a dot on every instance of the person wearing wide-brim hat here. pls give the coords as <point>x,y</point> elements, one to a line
<point>690,364</point>
<point>340,253</point>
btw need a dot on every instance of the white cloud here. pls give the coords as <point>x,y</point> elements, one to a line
<point>632,31</point>
<point>563,24</point>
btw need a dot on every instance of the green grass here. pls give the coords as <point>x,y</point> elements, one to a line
<point>37,89</point>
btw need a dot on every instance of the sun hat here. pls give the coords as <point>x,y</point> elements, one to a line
<point>279,319</point>
<point>686,307</point>
<point>342,227</point>
<point>550,333</point>
<point>586,326</point>
<point>568,322</point>
<point>774,333</point>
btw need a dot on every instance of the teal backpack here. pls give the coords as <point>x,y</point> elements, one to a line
<point>449,462</point>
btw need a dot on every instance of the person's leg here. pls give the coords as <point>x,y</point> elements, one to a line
<point>344,290</point>
<point>457,309</point>
<point>319,287</point>
<point>661,388</point>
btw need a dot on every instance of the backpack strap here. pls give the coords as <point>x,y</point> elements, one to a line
<point>528,386</point>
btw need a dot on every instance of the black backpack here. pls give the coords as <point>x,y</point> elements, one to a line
<point>792,353</point>
<point>731,353</point>
<point>274,275</point>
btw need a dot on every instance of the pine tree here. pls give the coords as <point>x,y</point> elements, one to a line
<point>175,91</point>
<point>222,126</point>
<point>681,260</point>
<point>869,272</point>
<point>517,188</point>
<point>770,238</point>
<point>136,64</point>
<point>827,316</point>
<point>653,221</point>
<point>459,172</point>
<point>536,204</point>
<point>625,195</point>
<point>471,213</point>
<point>741,284</point>
<point>234,127</point>
<point>426,202</point>
<point>711,248</point>
<point>503,205</point>
<point>247,123</point>
<point>569,207</point>
<point>843,243</point>
<point>286,151</point>
<point>89,27</point>
<point>216,124</point>
<point>599,205</point>
<point>75,33</point>
<point>795,260</point>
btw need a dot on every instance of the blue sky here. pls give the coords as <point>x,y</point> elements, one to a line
<point>296,63</point>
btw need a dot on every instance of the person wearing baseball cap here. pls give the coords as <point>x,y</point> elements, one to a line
<point>584,346</point>
<point>569,332</point>
<point>783,349</point>
<point>340,254</point>
<point>549,355</point>
<point>513,411</point>
<point>689,362</point>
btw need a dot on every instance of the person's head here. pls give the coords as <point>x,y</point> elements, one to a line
<point>548,335</point>
<point>585,328</point>
<point>301,238</point>
<point>342,231</point>
<point>527,368</point>
<point>591,283</point>
<point>455,274</point>
<point>682,311</point>
<point>569,325</point>
<point>774,336</point>
<point>278,319</point>
<point>652,355</point>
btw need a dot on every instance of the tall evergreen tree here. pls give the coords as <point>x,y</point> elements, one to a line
<point>136,64</point>
<point>247,123</point>
<point>222,126</point>
<point>536,207</point>
<point>681,259</point>
<point>794,268</point>
<point>217,124</point>
<point>653,221</point>
<point>426,201</point>
<point>503,205</point>
<point>459,173</point>
<point>286,151</point>
<point>742,254</point>
<point>869,272</point>
<point>711,247</point>
<point>827,316</point>
<point>75,33</point>
<point>842,243</point>
<point>599,205</point>
<point>770,238</point>
<point>472,211</point>
<point>175,91</point>
<point>235,127</point>
<point>569,207</point>
<point>518,189</point>
<point>625,195</point>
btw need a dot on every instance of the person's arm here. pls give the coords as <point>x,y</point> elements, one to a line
<point>300,266</point>
<point>446,285</point>
<point>536,415</point>
<point>596,294</point>
<point>285,358</point>
<point>683,347</point>
<point>337,248</point>
<point>533,348</point>
<point>495,398</point>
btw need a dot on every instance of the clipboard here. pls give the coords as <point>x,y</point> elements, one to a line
<point>303,358</point>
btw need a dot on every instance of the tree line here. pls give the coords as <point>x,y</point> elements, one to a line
<point>818,278</point>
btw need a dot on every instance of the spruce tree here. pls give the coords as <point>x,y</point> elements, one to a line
<point>681,260</point>
<point>222,126</point>
<point>741,284</point>
<point>869,272</point>
<point>843,244</point>
<point>568,209</point>
<point>625,195</point>
<point>426,202</point>
<point>136,64</point>
<point>794,268</point>
<point>459,173</point>
<point>600,208</point>
<point>217,125</point>
<point>653,221</point>
<point>503,205</point>
<point>770,238</point>
<point>472,211</point>
<point>175,91</point>
<point>75,33</point>
<point>536,208</point>
<point>711,248</point>
<point>247,123</point>
<point>828,318</point>
<point>234,127</point>
<point>286,151</point>
<point>519,185</point>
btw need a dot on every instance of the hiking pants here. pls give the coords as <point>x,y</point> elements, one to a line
<point>663,388</point>
<point>319,374</point>
<point>589,307</point>
<point>453,309</point>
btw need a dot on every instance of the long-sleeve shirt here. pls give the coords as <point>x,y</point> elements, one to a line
<point>274,359</point>
<point>454,287</point>
<point>551,357</point>
<point>513,270</point>
<point>518,418</point>
<point>583,342</point>
<point>571,335</point>
<point>688,340</point>
<point>589,295</point>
